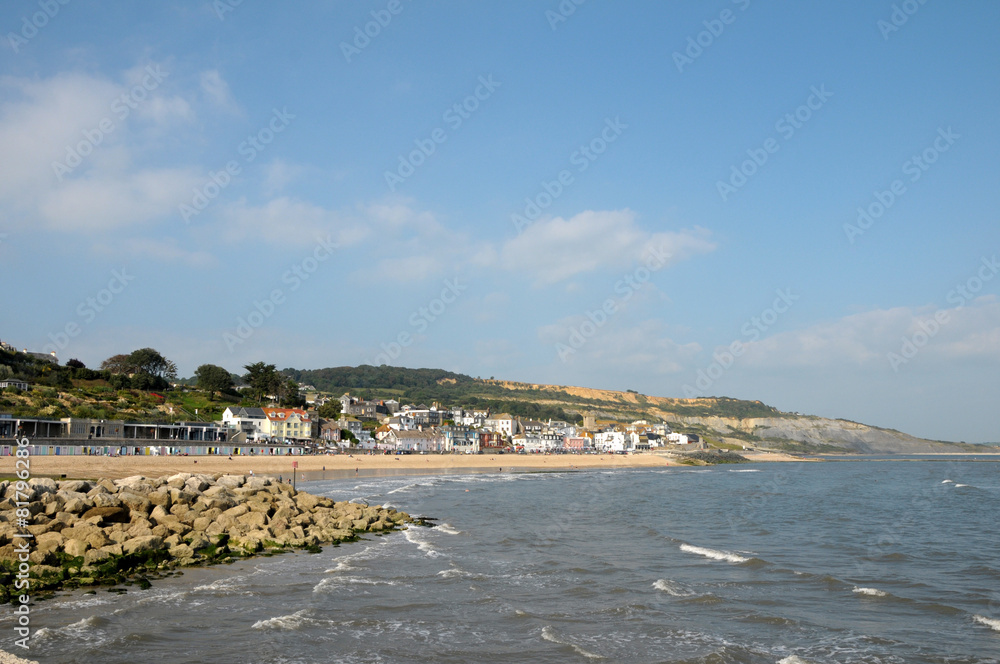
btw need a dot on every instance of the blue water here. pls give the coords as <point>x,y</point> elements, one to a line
<point>857,561</point>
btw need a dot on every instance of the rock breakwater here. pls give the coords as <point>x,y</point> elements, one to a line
<point>110,532</point>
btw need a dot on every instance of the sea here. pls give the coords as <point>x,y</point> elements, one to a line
<point>867,561</point>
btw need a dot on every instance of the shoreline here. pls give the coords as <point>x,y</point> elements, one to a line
<point>342,465</point>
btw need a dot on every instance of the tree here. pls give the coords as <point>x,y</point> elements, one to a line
<point>213,378</point>
<point>330,410</point>
<point>289,393</point>
<point>75,364</point>
<point>263,380</point>
<point>117,364</point>
<point>149,361</point>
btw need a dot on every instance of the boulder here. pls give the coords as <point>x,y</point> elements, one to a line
<point>231,481</point>
<point>145,543</point>
<point>177,481</point>
<point>135,502</point>
<point>43,484</point>
<point>109,514</point>
<point>94,556</point>
<point>77,506</point>
<point>99,539</point>
<point>307,501</point>
<point>80,486</point>
<point>49,541</point>
<point>160,497</point>
<point>253,519</point>
<point>106,500</point>
<point>76,547</point>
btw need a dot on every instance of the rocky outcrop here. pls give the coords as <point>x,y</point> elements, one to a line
<point>106,531</point>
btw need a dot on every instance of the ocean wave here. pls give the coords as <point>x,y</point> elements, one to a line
<point>337,581</point>
<point>89,629</point>
<point>947,482</point>
<point>403,489</point>
<point>549,635</point>
<point>992,623</point>
<point>344,562</point>
<point>447,528</point>
<point>744,470</point>
<point>792,659</point>
<point>454,572</point>
<point>870,592</point>
<point>672,588</point>
<point>290,622</point>
<point>429,549</point>
<point>713,554</point>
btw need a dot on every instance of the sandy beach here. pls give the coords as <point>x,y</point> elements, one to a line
<point>331,466</point>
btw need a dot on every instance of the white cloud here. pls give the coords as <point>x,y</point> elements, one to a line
<point>103,202</point>
<point>288,221</point>
<point>971,332</point>
<point>556,249</point>
<point>76,136</point>
<point>216,91</point>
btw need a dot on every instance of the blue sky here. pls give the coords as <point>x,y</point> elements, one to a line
<point>653,196</point>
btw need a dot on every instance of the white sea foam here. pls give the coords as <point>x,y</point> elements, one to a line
<point>870,592</point>
<point>447,528</point>
<point>946,482</point>
<point>992,623</point>
<point>338,581</point>
<point>429,550</point>
<point>452,573</point>
<point>87,629</point>
<point>344,562</point>
<point>713,554</point>
<point>672,588</point>
<point>744,470</point>
<point>292,621</point>
<point>792,659</point>
<point>549,635</point>
<point>959,486</point>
